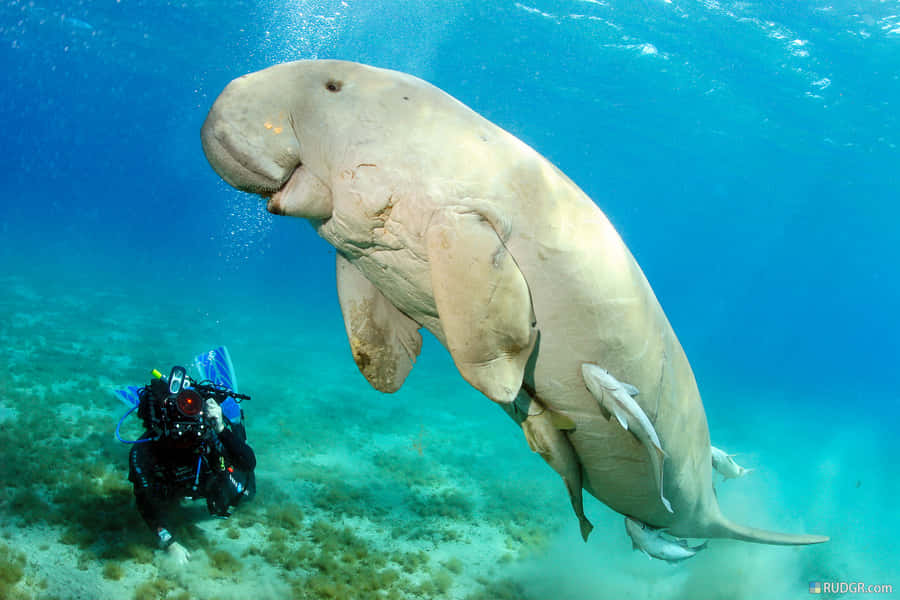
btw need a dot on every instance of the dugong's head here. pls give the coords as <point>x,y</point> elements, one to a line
<point>283,131</point>
<point>267,131</point>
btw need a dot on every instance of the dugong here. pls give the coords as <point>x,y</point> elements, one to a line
<point>443,220</point>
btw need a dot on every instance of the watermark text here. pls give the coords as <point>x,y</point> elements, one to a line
<point>849,587</point>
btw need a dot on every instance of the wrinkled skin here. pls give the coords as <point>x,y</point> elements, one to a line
<point>445,221</point>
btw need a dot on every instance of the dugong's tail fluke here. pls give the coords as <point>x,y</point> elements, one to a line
<point>726,529</point>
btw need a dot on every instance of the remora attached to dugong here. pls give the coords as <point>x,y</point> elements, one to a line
<point>445,221</point>
<point>616,397</point>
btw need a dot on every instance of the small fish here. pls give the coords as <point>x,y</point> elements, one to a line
<point>616,397</point>
<point>651,542</point>
<point>724,464</point>
<point>77,23</point>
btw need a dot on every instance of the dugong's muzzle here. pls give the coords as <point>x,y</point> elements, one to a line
<point>248,137</point>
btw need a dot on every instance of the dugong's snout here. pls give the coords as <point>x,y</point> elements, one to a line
<point>249,140</point>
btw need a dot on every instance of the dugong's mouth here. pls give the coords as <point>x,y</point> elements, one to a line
<point>255,148</point>
<point>303,195</point>
<point>273,200</point>
<point>250,158</point>
<point>274,196</point>
<point>243,168</point>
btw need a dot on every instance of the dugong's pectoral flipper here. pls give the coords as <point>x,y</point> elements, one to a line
<point>544,437</point>
<point>482,300</point>
<point>384,341</point>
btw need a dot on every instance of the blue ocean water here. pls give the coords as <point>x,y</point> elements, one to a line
<point>747,152</point>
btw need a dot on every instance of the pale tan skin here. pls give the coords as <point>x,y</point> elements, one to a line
<point>465,230</point>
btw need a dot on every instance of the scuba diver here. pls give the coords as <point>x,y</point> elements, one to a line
<point>194,445</point>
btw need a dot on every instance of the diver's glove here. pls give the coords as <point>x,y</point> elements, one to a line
<point>178,553</point>
<point>214,415</point>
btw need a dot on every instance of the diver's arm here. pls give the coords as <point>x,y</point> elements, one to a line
<point>238,449</point>
<point>151,510</point>
<point>227,439</point>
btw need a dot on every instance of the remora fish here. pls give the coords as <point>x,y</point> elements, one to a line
<point>651,542</point>
<point>616,397</point>
<point>724,464</point>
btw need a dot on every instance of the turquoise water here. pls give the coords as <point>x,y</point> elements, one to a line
<point>747,152</point>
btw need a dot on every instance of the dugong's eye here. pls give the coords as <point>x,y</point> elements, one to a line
<point>333,85</point>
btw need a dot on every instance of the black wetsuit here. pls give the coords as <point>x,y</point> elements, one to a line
<point>219,469</point>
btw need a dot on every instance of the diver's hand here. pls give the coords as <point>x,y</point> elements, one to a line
<point>178,553</point>
<point>214,414</point>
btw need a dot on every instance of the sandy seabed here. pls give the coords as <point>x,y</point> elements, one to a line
<point>427,493</point>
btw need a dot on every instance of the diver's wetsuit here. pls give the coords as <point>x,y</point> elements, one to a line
<point>165,471</point>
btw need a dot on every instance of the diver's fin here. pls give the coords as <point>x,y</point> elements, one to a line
<point>483,302</point>
<point>384,341</point>
<point>128,396</point>
<point>216,366</point>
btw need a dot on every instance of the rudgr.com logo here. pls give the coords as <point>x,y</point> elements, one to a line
<point>848,587</point>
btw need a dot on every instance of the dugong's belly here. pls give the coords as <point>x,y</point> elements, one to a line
<point>593,304</point>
